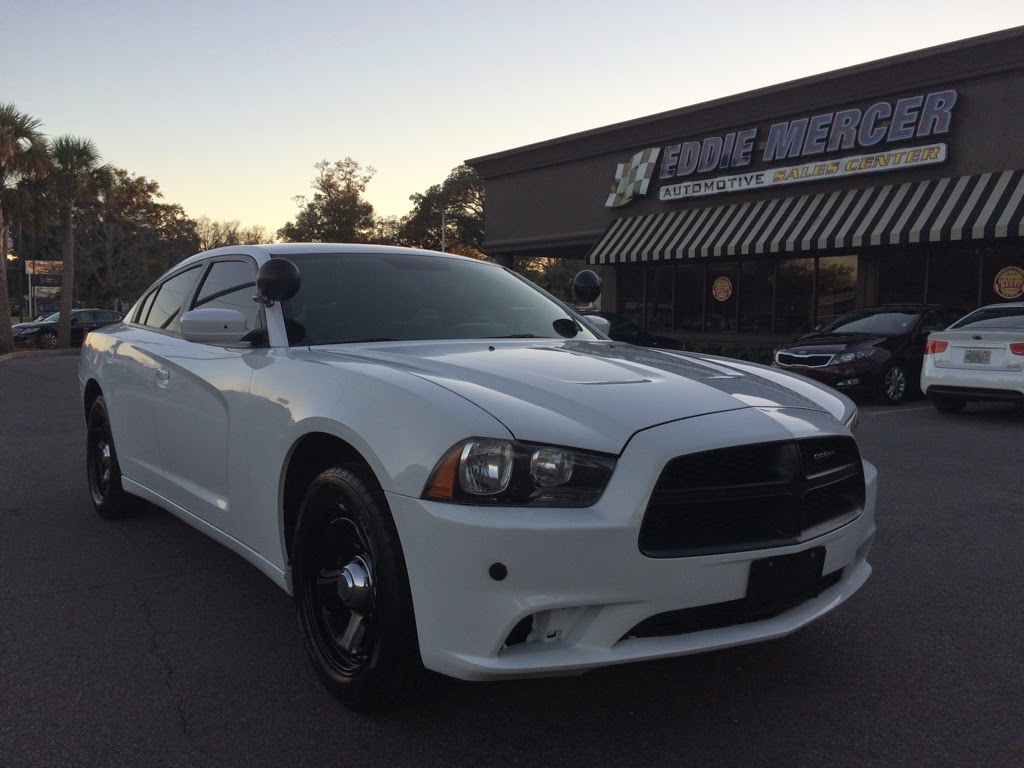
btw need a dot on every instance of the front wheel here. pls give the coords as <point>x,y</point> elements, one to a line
<point>48,340</point>
<point>895,385</point>
<point>352,591</point>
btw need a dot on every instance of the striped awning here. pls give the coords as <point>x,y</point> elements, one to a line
<point>990,205</point>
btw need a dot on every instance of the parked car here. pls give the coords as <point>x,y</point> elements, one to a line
<point>42,332</point>
<point>875,351</point>
<point>451,471</point>
<point>625,329</point>
<point>979,357</point>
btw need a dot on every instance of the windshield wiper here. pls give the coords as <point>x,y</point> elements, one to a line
<point>516,336</point>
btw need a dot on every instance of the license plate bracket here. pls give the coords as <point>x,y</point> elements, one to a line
<point>978,356</point>
<point>778,583</point>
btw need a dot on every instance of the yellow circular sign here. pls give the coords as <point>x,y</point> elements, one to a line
<point>1009,282</point>
<point>721,289</point>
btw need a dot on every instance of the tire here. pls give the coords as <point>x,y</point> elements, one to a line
<point>944,404</point>
<point>103,471</point>
<point>894,387</point>
<point>363,645</point>
<point>47,340</point>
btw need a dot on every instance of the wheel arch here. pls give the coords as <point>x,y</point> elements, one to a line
<point>309,456</point>
<point>92,391</point>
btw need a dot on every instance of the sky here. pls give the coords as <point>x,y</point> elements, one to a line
<point>229,104</point>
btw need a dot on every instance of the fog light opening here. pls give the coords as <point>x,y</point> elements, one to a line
<point>848,383</point>
<point>520,632</point>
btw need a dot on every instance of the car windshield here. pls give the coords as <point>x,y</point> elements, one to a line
<point>401,297</point>
<point>54,318</point>
<point>888,322</point>
<point>993,317</point>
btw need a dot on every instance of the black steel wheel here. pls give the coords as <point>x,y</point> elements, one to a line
<point>895,385</point>
<point>47,340</point>
<point>944,404</point>
<point>102,469</point>
<point>352,591</point>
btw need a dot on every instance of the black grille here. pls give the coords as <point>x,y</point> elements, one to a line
<point>810,361</point>
<point>753,497</point>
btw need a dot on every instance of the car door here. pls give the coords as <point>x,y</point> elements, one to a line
<point>203,389</point>
<point>81,324</point>
<point>131,378</point>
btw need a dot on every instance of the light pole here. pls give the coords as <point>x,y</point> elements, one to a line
<point>444,225</point>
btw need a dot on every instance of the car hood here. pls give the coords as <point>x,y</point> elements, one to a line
<point>19,326</point>
<point>820,343</point>
<point>587,394</point>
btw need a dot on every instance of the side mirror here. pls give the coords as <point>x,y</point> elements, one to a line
<point>277,280</point>
<point>213,325</point>
<point>603,324</point>
<point>586,287</point>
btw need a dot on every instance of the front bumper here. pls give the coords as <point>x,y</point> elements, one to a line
<point>851,377</point>
<point>579,575</point>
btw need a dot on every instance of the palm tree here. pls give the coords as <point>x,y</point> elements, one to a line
<point>22,153</point>
<point>76,172</point>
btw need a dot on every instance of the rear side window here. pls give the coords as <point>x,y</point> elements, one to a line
<point>231,285</point>
<point>165,312</point>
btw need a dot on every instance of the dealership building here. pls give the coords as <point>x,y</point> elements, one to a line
<point>770,212</point>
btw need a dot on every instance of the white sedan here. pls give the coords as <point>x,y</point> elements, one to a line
<point>980,357</point>
<point>452,471</point>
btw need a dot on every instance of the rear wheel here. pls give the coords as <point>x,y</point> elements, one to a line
<point>104,473</point>
<point>945,404</point>
<point>895,385</point>
<point>352,591</point>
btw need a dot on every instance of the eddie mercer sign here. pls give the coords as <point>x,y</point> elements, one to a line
<point>686,169</point>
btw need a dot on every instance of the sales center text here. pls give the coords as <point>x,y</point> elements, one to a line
<point>909,118</point>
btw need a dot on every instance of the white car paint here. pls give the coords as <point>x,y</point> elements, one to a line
<point>207,433</point>
<point>997,370</point>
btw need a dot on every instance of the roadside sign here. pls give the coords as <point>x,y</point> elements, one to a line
<point>33,267</point>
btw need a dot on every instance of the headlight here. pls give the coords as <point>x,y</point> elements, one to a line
<point>507,473</point>
<point>24,331</point>
<point>849,357</point>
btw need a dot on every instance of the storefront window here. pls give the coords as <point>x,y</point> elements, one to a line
<point>722,298</point>
<point>1004,263</point>
<point>755,295</point>
<point>953,277</point>
<point>837,287</point>
<point>794,296</point>
<point>631,292</point>
<point>660,285</point>
<point>689,300</point>
<point>901,277</point>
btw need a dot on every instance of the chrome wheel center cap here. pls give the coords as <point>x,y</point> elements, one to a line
<point>355,585</point>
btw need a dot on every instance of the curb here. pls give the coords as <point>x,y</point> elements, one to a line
<point>38,353</point>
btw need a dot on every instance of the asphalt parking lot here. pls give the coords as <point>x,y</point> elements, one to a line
<point>144,643</point>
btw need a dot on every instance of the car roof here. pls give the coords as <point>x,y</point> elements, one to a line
<point>265,252</point>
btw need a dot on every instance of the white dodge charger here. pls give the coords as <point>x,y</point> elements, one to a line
<point>451,470</point>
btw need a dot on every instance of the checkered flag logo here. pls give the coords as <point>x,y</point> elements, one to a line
<point>632,178</point>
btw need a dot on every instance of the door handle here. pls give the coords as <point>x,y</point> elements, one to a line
<point>162,377</point>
